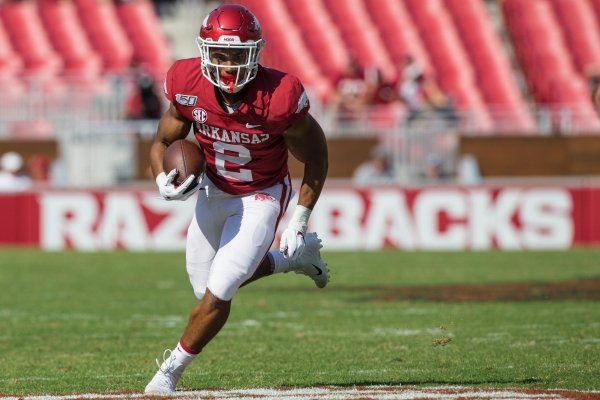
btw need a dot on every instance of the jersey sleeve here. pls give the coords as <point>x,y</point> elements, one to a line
<point>293,103</point>
<point>168,84</point>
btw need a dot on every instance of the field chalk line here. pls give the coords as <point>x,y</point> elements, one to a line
<point>339,393</point>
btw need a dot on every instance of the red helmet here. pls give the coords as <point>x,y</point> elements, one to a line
<point>227,28</point>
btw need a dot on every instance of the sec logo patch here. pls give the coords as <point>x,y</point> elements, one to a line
<point>199,115</point>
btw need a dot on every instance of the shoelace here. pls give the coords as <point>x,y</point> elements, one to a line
<point>167,360</point>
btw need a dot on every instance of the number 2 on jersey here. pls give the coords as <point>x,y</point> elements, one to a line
<point>241,157</point>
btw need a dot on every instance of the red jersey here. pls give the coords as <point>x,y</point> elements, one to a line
<point>244,150</point>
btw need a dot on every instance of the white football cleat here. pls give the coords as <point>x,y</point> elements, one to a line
<point>310,262</point>
<point>165,379</point>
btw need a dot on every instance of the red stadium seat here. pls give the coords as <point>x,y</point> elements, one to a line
<point>64,29</point>
<point>398,32</point>
<point>143,28</point>
<point>321,35</point>
<point>105,33</point>
<point>10,61</point>
<point>361,35</point>
<point>27,35</point>
<point>581,31</point>
<point>492,69</point>
<point>545,58</point>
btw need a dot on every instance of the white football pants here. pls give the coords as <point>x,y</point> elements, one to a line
<point>229,236</point>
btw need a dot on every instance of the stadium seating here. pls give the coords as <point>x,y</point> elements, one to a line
<point>286,48</point>
<point>29,39</point>
<point>10,61</point>
<point>545,57</point>
<point>361,35</point>
<point>493,73</point>
<point>150,46</point>
<point>398,32</point>
<point>67,36</point>
<point>321,35</point>
<point>453,70</point>
<point>106,35</point>
<point>556,44</point>
<point>581,32</point>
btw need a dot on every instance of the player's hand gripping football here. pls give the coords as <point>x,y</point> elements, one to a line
<point>292,242</point>
<point>168,190</point>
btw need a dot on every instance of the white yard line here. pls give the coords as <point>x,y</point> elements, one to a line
<point>331,393</point>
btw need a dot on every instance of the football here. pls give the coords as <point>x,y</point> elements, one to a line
<point>186,157</point>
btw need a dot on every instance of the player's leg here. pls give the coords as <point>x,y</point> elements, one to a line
<point>203,240</point>
<point>310,263</point>
<point>246,237</point>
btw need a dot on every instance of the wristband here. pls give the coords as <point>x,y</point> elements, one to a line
<point>300,218</point>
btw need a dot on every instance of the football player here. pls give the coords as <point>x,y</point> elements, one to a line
<point>246,117</point>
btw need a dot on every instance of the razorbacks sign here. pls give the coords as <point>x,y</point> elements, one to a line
<point>346,218</point>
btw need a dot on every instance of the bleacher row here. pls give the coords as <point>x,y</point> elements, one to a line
<point>55,42</point>
<point>556,43</point>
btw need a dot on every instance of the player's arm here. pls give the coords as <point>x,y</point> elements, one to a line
<point>170,128</point>
<point>306,141</point>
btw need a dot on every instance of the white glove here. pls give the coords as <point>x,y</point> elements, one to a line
<point>168,191</point>
<point>292,243</point>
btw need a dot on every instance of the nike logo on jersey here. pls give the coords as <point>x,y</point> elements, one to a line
<point>319,270</point>
<point>251,126</point>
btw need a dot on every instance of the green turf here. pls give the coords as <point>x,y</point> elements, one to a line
<point>94,322</point>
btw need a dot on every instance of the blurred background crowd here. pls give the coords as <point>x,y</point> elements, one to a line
<point>82,80</point>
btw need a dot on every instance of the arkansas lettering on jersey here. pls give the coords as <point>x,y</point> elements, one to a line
<point>245,150</point>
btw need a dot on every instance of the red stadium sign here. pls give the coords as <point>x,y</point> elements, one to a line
<point>449,218</point>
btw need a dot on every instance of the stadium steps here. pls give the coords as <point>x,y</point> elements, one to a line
<point>182,25</point>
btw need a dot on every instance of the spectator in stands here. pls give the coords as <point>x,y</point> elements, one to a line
<point>379,91</point>
<point>350,99</point>
<point>594,87</point>
<point>422,95</point>
<point>144,102</point>
<point>410,68</point>
<point>39,169</point>
<point>467,170</point>
<point>434,168</point>
<point>12,177</point>
<point>376,170</point>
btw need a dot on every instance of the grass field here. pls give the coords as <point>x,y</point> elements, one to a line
<point>94,322</point>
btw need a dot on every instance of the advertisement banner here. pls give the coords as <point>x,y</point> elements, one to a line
<point>346,218</point>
